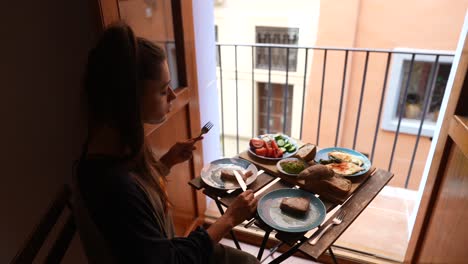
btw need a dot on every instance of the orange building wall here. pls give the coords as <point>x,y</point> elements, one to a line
<point>433,25</point>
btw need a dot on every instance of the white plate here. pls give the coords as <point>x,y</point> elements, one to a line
<point>211,173</point>
<point>278,166</point>
<point>285,155</point>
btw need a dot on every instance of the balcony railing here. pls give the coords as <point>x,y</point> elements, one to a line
<point>349,79</point>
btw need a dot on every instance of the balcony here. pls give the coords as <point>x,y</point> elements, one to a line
<point>383,103</point>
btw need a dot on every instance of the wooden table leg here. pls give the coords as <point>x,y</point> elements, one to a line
<point>234,238</point>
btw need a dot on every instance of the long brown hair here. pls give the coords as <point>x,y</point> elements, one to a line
<point>116,69</point>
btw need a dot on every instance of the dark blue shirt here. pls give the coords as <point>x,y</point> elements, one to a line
<point>126,219</point>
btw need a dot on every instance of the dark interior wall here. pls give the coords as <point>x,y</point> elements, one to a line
<point>43,50</point>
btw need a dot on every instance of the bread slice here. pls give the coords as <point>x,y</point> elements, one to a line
<point>306,152</point>
<point>297,206</point>
<point>228,175</point>
<point>338,185</point>
<point>316,172</point>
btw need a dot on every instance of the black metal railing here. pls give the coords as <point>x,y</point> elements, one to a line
<point>231,51</point>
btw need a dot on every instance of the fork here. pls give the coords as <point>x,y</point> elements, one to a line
<point>336,221</point>
<point>205,129</point>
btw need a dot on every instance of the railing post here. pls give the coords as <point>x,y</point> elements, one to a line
<point>324,67</point>
<point>221,94</point>
<point>402,109</point>
<point>304,91</point>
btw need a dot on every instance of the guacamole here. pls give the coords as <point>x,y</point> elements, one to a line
<point>292,166</point>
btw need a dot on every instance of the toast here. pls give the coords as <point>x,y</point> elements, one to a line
<point>338,185</point>
<point>228,175</point>
<point>306,152</point>
<point>316,172</point>
<point>296,206</point>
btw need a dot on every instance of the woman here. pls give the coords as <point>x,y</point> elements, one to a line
<point>123,211</point>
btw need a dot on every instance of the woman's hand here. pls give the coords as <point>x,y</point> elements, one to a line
<point>243,207</point>
<point>180,152</point>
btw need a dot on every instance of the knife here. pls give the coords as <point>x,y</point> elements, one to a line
<point>258,174</point>
<point>240,180</point>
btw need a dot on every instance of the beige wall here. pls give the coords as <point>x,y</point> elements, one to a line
<point>301,14</point>
<point>43,50</point>
<point>433,25</point>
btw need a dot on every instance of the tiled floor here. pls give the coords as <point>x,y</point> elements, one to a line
<point>381,229</point>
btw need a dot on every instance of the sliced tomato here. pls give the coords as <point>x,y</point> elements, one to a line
<point>261,152</point>
<point>271,152</point>
<point>274,152</point>
<point>257,143</point>
<point>267,151</point>
<point>274,145</point>
<point>279,153</point>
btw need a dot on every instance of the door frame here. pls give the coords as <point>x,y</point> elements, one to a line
<point>438,153</point>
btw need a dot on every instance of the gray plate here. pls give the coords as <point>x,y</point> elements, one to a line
<point>211,173</point>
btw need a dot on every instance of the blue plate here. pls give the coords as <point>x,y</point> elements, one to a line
<point>323,154</point>
<point>211,173</point>
<point>268,209</point>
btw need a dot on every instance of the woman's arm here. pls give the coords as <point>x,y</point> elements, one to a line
<point>241,209</point>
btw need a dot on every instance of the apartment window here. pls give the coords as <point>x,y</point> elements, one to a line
<point>276,35</point>
<point>278,100</point>
<point>420,82</point>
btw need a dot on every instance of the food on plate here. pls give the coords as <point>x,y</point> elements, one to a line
<point>322,179</point>
<point>284,144</point>
<point>337,185</point>
<point>247,174</point>
<point>228,175</point>
<point>306,152</point>
<point>343,163</point>
<point>257,143</point>
<point>297,206</point>
<point>271,146</point>
<point>316,172</point>
<point>345,168</point>
<point>311,163</point>
<point>292,166</point>
<point>338,155</point>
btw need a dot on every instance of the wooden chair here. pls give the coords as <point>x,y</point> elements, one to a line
<point>36,240</point>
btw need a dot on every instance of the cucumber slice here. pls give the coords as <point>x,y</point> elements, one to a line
<point>278,137</point>
<point>291,148</point>
<point>280,142</point>
<point>287,145</point>
<point>283,149</point>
